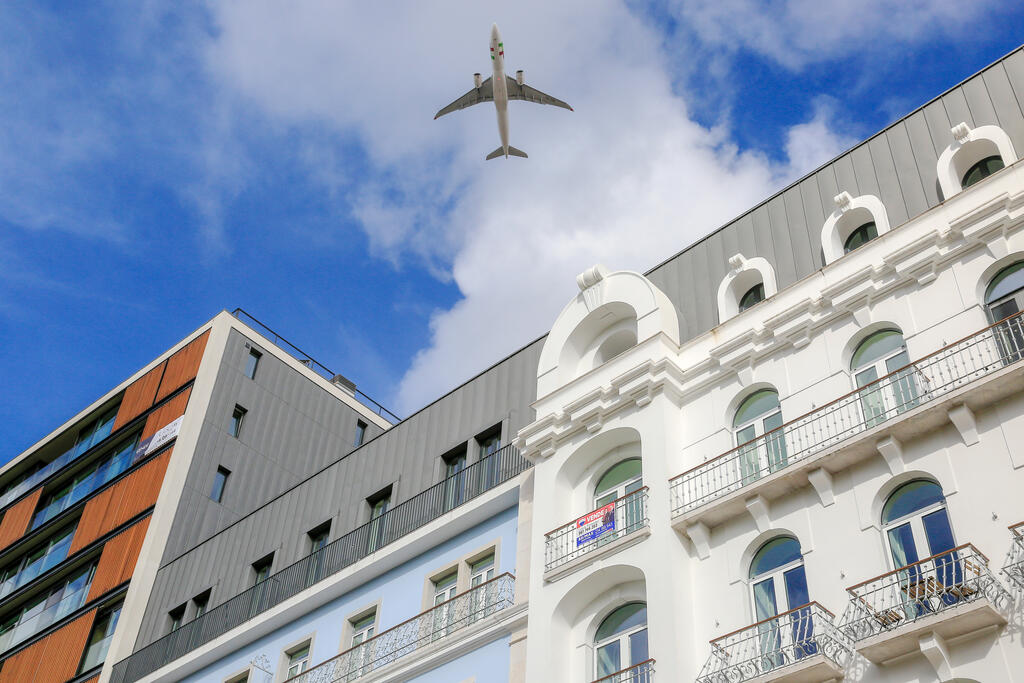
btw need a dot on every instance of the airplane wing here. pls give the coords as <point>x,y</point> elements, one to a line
<point>525,92</point>
<point>485,93</point>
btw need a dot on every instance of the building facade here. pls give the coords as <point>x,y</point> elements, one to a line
<point>793,451</point>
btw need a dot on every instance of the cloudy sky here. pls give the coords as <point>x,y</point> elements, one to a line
<point>160,162</point>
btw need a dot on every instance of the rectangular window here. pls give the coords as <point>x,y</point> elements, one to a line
<point>177,617</point>
<point>319,537</point>
<point>252,361</point>
<point>261,569</point>
<point>360,433</point>
<point>99,639</point>
<point>235,428</point>
<point>298,660</point>
<point>377,532</point>
<point>490,474</point>
<point>220,482</point>
<point>201,601</point>
<point>454,478</point>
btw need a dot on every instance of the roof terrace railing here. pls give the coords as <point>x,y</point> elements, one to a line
<point>775,643</point>
<point>933,376</point>
<point>310,362</point>
<point>920,589</point>
<point>401,520</point>
<point>414,634</point>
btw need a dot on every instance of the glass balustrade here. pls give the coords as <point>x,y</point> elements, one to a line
<point>54,607</point>
<point>40,565</point>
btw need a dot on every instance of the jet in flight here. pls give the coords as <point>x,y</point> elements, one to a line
<point>500,89</point>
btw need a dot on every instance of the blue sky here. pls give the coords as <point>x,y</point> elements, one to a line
<point>161,162</point>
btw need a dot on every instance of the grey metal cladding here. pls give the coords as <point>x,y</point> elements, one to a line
<point>291,429</point>
<point>897,164</point>
<point>407,456</point>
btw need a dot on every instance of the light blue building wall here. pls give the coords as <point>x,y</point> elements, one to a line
<point>399,596</point>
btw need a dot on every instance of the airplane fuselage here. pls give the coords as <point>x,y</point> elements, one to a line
<point>500,86</point>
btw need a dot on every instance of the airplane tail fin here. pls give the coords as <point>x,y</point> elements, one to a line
<point>500,152</point>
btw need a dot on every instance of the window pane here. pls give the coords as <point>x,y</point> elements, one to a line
<point>753,296</point>
<point>796,588</point>
<point>623,471</point>
<point>765,605</point>
<point>638,651</point>
<point>938,531</point>
<point>877,346</point>
<point>251,363</point>
<point>624,618</point>
<point>608,659</point>
<point>909,498</point>
<point>982,169</point>
<point>756,405</point>
<point>776,553</point>
<point>901,543</point>
<point>860,236</point>
<point>1007,281</point>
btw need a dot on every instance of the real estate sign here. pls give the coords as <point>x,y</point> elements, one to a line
<point>595,524</point>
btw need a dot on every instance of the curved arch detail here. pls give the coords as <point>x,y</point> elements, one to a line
<point>613,311</point>
<point>744,273</point>
<point>969,146</point>
<point>851,213</point>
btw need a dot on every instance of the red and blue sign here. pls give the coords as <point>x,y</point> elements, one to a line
<point>595,524</point>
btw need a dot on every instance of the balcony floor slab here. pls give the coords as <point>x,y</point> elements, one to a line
<point>816,669</point>
<point>563,570</point>
<point>951,623</point>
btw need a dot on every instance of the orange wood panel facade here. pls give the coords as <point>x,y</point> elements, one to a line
<point>18,517</point>
<point>182,366</point>
<point>139,396</point>
<point>122,501</point>
<point>117,563</point>
<point>165,414</point>
<point>54,659</point>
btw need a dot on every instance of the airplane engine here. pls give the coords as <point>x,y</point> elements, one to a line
<point>519,77</point>
<point>477,80</point>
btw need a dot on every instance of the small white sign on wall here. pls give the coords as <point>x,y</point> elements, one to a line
<point>165,434</point>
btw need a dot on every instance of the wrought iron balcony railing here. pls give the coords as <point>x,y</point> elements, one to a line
<point>595,529</point>
<point>935,375</point>
<point>414,634</point>
<point>401,520</point>
<point>638,673</point>
<point>1014,568</point>
<point>930,586</point>
<point>773,644</point>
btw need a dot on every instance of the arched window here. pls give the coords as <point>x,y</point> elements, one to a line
<point>915,523</point>
<point>621,640</point>
<point>754,295</point>
<point>621,479</point>
<point>758,415</point>
<point>881,355</point>
<point>982,169</point>
<point>860,236</point>
<point>1005,294</point>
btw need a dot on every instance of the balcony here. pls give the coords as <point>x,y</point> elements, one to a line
<point>950,594</point>
<point>638,673</point>
<point>45,612</point>
<point>354,546</point>
<point>800,646</point>
<point>1014,568</point>
<point>778,461</point>
<point>596,534</point>
<point>416,634</point>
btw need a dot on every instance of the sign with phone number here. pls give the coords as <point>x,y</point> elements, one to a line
<point>595,524</point>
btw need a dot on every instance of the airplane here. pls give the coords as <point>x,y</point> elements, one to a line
<point>500,89</point>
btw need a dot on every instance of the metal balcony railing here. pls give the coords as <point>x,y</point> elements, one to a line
<point>772,644</point>
<point>638,673</point>
<point>401,520</point>
<point>924,380</point>
<point>425,628</point>
<point>310,362</point>
<point>930,586</point>
<point>1014,567</point>
<point>595,529</point>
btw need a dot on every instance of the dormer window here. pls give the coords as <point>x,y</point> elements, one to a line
<point>860,236</point>
<point>982,170</point>
<point>754,295</point>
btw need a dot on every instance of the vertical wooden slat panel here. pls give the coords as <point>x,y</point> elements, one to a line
<point>139,396</point>
<point>119,503</point>
<point>18,517</point>
<point>117,562</point>
<point>165,414</point>
<point>183,365</point>
<point>54,659</point>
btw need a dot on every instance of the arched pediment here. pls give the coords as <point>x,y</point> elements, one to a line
<point>612,312</point>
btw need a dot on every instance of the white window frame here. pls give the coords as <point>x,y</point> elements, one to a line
<point>917,530</point>
<point>623,638</point>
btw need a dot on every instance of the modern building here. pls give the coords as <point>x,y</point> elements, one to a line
<point>793,451</point>
<point>171,456</point>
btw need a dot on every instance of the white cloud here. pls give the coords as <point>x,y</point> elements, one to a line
<point>800,32</point>
<point>626,179</point>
